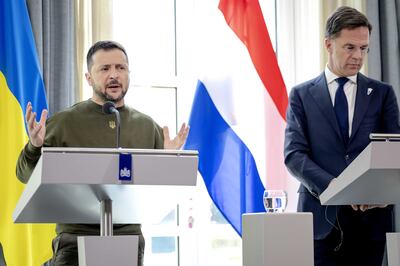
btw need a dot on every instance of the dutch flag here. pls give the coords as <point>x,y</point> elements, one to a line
<point>238,114</point>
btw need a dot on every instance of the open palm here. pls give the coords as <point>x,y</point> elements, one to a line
<point>36,130</point>
<point>177,142</point>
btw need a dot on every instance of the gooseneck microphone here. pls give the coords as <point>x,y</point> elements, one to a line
<point>109,108</point>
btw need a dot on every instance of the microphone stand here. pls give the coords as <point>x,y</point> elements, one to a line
<point>108,108</point>
<point>106,223</point>
<point>115,111</point>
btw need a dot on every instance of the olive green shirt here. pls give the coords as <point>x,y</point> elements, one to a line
<point>85,125</point>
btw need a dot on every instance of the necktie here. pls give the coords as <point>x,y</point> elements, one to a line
<point>341,109</point>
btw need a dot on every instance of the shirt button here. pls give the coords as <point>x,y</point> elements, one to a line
<point>347,157</point>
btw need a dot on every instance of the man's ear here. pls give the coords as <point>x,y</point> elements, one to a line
<point>328,44</point>
<point>89,79</point>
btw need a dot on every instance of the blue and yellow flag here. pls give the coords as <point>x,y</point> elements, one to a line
<point>20,82</point>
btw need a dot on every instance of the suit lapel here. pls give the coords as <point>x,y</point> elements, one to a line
<point>363,98</point>
<point>319,91</point>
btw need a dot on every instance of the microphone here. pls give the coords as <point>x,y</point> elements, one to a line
<point>109,108</point>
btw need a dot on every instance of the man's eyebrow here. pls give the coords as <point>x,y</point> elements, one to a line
<point>118,64</point>
<point>350,44</point>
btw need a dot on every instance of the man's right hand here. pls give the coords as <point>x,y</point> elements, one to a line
<point>36,131</point>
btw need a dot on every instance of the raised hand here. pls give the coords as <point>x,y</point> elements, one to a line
<point>178,141</point>
<point>36,130</point>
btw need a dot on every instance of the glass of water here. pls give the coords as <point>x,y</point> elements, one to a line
<point>275,200</point>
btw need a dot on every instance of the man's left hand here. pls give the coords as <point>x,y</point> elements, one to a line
<point>364,207</point>
<point>178,141</point>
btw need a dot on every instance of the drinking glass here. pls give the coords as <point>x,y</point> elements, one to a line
<point>275,200</point>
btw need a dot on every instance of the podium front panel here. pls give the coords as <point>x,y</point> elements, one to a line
<point>68,185</point>
<point>372,178</point>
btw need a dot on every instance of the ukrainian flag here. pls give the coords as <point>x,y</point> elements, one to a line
<point>20,82</point>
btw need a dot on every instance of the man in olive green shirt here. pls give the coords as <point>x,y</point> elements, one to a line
<point>85,125</point>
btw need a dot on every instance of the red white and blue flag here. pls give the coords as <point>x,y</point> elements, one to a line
<point>238,114</point>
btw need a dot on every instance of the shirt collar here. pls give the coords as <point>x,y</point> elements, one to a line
<point>331,77</point>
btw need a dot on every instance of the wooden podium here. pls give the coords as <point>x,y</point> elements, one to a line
<point>372,178</point>
<point>81,185</point>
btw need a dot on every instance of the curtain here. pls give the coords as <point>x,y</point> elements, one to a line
<point>54,29</point>
<point>93,23</point>
<point>64,30</point>
<point>298,41</point>
<point>53,26</point>
<point>384,56</point>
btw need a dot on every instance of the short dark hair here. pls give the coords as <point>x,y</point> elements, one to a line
<point>103,45</point>
<point>345,18</point>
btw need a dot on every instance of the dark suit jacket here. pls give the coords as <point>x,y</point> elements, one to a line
<point>315,152</point>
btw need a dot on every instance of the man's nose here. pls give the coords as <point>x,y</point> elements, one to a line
<point>114,73</point>
<point>358,53</point>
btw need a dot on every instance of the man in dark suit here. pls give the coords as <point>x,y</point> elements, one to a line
<point>329,120</point>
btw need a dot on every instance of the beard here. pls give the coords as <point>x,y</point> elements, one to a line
<point>106,96</point>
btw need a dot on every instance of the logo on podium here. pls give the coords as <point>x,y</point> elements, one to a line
<point>125,167</point>
<point>125,173</point>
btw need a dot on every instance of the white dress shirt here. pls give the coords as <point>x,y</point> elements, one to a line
<point>350,89</point>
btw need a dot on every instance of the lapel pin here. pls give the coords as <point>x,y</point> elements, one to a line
<point>369,91</point>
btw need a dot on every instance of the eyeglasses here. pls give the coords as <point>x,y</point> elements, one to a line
<point>351,49</point>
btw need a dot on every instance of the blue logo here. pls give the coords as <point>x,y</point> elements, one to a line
<point>125,167</point>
